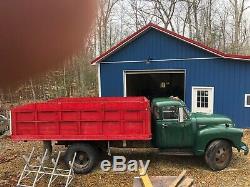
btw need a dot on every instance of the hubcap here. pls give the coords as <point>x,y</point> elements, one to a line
<point>222,155</point>
<point>82,159</point>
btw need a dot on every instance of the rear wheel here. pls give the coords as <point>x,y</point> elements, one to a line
<point>218,154</point>
<point>86,157</point>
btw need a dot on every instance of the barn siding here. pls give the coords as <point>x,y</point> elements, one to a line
<point>157,45</point>
<point>230,78</point>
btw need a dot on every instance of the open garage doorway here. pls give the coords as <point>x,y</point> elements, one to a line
<point>152,84</point>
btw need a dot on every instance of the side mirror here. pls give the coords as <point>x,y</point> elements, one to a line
<point>181,115</point>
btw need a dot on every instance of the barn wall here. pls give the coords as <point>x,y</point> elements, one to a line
<point>230,78</point>
<point>156,45</point>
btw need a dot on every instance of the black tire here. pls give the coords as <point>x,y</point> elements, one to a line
<point>86,157</point>
<point>218,154</point>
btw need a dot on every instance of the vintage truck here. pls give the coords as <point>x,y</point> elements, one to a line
<point>87,126</point>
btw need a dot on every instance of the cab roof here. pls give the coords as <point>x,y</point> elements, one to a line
<point>168,101</point>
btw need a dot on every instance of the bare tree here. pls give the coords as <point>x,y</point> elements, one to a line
<point>104,14</point>
<point>239,7</point>
<point>165,12</point>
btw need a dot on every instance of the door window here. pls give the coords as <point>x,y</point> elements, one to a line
<point>170,113</point>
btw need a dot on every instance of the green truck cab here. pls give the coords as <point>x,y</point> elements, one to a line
<point>211,135</point>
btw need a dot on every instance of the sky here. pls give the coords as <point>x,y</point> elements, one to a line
<point>248,4</point>
<point>248,12</point>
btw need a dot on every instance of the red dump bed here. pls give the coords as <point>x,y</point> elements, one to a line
<point>107,118</point>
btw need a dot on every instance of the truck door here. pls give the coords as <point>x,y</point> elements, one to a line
<point>171,129</point>
<point>188,136</point>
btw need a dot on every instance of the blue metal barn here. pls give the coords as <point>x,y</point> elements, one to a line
<point>155,62</point>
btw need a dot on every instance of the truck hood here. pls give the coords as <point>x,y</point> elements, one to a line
<point>213,119</point>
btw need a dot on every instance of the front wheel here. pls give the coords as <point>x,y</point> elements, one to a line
<point>218,154</point>
<point>86,157</point>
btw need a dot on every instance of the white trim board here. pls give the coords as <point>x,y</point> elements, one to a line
<point>159,60</point>
<point>99,80</point>
<point>245,103</point>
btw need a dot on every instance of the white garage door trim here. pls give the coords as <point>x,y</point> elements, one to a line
<point>126,72</point>
<point>210,99</point>
<point>99,80</point>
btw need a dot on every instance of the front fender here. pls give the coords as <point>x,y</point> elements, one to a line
<point>207,135</point>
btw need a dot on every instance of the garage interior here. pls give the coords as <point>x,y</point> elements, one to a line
<point>155,84</point>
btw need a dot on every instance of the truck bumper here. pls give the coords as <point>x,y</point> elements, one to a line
<point>244,148</point>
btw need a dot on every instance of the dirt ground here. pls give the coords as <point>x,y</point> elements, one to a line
<point>237,174</point>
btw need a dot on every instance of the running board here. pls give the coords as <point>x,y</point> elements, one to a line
<point>176,152</point>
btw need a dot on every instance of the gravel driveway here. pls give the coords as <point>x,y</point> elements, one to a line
<point>237,174</point>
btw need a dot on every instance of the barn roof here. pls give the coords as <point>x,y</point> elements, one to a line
<point>144,29</point>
